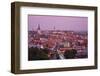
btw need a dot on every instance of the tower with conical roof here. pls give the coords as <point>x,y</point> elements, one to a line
<point>39,29</point>
<point>54,28</point>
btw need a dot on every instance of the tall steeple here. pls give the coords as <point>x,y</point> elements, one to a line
<point>38,27</point>
<point>54,28</point>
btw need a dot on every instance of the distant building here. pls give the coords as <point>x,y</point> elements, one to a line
<point>39,29</point>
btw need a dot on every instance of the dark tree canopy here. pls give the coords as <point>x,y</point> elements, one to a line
<point>37,54</point>
<point>70,53</point>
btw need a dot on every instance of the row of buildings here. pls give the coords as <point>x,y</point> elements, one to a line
<point>58,40</point>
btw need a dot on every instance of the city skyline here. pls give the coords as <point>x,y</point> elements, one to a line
<point>67,23</point>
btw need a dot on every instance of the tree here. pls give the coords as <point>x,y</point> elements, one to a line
<point>37,54</point>
<point>69,54</point>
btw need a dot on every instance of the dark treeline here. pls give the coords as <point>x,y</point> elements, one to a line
<point>44,54</point>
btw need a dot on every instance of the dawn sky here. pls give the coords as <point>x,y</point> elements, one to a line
<point>59,22</point>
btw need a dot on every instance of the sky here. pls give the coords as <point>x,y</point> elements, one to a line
<point>47,22</point>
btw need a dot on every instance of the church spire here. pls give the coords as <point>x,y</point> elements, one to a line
<point>54,28</point>
<point>38,27</point>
